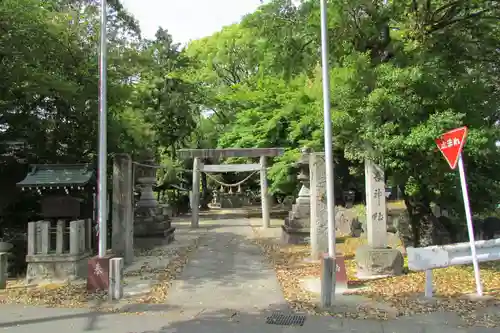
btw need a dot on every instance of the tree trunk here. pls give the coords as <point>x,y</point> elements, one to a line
<point>426,229</point>
<point>423,216</point>
<point>204,192</point>
<point>414,222</point>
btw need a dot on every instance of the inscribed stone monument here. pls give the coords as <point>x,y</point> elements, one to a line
<point>319,219</point>
<point>122,205</point>
<point>376,212</point>
<point>376,259</point>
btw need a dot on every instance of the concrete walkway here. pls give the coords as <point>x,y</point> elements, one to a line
<point>227,286</point>
<point>228,274</point>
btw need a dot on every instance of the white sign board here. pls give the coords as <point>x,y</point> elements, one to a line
<point>421,259</point>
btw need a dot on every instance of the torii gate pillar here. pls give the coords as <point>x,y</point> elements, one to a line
<point>195,194</point>
<point>266,218</point>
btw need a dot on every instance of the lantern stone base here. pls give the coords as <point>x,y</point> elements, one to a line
<point>51,267</point>
<point>154,230</point>
<point>291,235</point>
<point>297,226</point>
<point>151,222</point>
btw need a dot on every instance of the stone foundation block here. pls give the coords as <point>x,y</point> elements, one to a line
<point>291,235</point>
<point>63,267</point>
<point>376,262</point>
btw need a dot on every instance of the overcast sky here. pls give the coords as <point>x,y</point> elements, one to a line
<point>188,19</point>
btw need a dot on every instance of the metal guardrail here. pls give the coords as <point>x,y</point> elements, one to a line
<point>432,257</point>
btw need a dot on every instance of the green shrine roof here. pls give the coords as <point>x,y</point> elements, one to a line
<point>58,175</point>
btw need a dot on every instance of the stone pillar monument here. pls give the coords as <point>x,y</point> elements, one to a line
<point>149,218</point>
<point>376,259</point>
<point>297,226</point>
<point>122,205</point>
<point>319,218</point>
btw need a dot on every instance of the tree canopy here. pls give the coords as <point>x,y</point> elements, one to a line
<point>402,72</point>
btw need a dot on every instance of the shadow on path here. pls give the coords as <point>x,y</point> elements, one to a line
<point>224,321</point>
<point>92,316</point>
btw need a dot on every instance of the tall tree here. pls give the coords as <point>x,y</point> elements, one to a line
<point>169,101</point>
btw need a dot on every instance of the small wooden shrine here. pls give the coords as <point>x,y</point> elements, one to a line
<point>60,244</point>
<point>66,189</point>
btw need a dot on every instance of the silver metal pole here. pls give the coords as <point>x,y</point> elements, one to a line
<point>329,292</point>
<point>103,149</point>
<point>468,215</point>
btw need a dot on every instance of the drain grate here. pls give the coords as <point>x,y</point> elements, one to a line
<point>282,319</point>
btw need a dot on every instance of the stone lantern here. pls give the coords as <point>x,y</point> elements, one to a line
<point>296,229</point>
<point>146,181</point>
<point>149,219</point>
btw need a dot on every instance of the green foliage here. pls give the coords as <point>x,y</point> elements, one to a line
<point>167,100</point>
<point>401,72</point>
<point>48,93</point>
<point>169,173</point>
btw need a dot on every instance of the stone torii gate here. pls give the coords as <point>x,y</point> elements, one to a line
<point>198,167</point>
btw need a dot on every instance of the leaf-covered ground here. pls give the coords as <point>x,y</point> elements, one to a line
<point>75,295</point>
<point>402,293</point>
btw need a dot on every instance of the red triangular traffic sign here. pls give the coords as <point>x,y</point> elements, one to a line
<point>451,144</point>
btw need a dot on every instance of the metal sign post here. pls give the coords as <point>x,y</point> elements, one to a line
<point>103,149</point>
<point>328,275</point>
<point>451,144</point>
<point>470,228</point>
